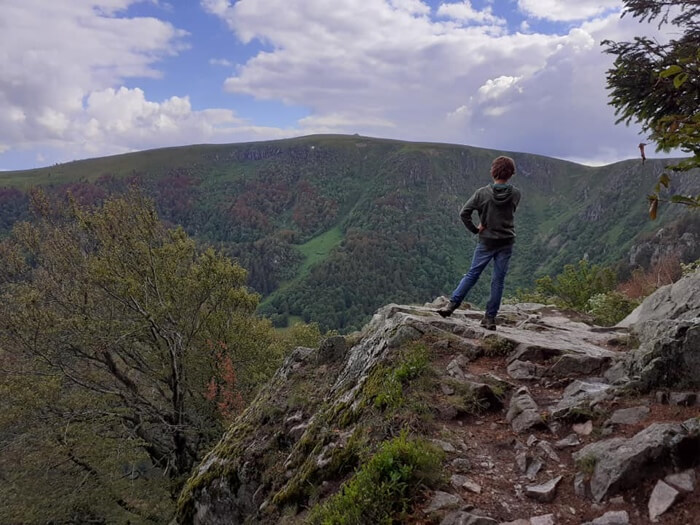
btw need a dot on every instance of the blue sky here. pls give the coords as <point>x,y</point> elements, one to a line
<point>85,78</point>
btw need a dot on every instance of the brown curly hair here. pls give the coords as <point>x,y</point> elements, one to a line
<point>502,168</point>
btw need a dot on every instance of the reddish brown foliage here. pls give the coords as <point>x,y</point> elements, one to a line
<point>644,282</point>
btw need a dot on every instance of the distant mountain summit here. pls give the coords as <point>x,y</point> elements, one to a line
<point>332,227</point>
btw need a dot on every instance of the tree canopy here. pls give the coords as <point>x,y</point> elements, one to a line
<point>657,84</point>
<point>124,349</point>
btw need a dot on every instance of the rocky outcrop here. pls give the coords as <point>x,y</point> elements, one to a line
<point>619,463</point>
<point>515,414</point>
<point>667,324</point>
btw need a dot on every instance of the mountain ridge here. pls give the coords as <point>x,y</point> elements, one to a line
<point>390,206</point>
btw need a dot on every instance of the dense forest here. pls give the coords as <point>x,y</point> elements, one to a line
<point>332,227</point>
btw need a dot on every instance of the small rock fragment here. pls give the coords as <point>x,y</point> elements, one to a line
<point>546,519</point>
<point>662,397</point>
<point>461,465</point>
<point>467,518</point>
<point>521,461</point>
<point>534,468</point>
<point>571,440</point>
<point>614,517</point>
<point>457,480</point>
<point>444,445</point>
<point>516,522</point>
<point>523,413</point>
<point>617,500</point>
<point>580,484</point>
<point>686,399</point>
<point>545,492</point>
<point>629,416</point>
<point>472,486</point>
<point>545,447</point>
<point>443,500</point>
<point>531,440</point>
<point>447,389</point>
<point>662,497</point>
<point>584,429</point>
<point>684,481</point>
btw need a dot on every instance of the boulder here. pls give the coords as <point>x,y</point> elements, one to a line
<point>667,324</point>
<point>443,500</point>
<point>623,462</point>
<point>629,416</point>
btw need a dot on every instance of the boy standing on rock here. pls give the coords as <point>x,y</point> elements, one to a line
<point>496,205</point>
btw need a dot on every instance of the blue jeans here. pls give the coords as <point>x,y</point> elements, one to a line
<point>482,256</point>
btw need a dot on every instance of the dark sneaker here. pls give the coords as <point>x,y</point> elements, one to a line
<point>447,311</point>
<point>489,322</point>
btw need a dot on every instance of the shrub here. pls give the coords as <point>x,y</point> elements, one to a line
<point>610,308</point>
<point>384,489</point>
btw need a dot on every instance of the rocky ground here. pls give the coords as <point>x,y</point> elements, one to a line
<point>549,420</point>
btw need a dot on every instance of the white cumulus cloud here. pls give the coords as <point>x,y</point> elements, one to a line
<point>567,10</point>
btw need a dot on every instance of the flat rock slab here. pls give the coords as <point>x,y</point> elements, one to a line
<point>661,499</point>
<point>683,481</point>
<point>624,462</point>
<point>582,395</point>
<point>571,440</point>
<point>629,416</point>
<point>443,500</point>
<point>467,518</point>
<point>544,493</point>
<point>614,517</point>
<point>546,519</point>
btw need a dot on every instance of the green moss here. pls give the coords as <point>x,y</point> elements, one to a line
<point>383,491</point>
<point>309,475</point>
<point>587,464</point>
<point>495,346</point>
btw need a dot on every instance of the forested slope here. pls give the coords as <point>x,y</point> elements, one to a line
<point>332,227</point>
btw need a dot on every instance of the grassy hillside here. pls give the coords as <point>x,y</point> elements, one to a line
<point>331,227</point>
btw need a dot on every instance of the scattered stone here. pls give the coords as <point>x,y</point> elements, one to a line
<point>614,517</point>
<point>461,465</point>
<point>684,481</point>
<point>580,484</point>
<point>686,399</point>
<point>578,365</point>
<point>467,518</point>
<point>447,389</point>
<point>583,429</point>
<point>571,440</point>
<point>523,412</point>
<point>444,445</point>
<point>533,469</point>
<point>546,519</point>
<point>457,480</point>
<point>617,500</point>
<point>545,492</point>
<point>629,416</point>
<point>531,440</point>
<point>662,497</point>
<point>662,397</point>
<point>525,370</point>
<point>472,486</point>
<point>516,522</point>
<point>545,447</point>
<point>454,367</point>
<point>582,395</point>
<point>443,500</point>
<point>521,461</point>
<point>624,462</point>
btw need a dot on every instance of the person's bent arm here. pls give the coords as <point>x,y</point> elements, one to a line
<point>466,214</point>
